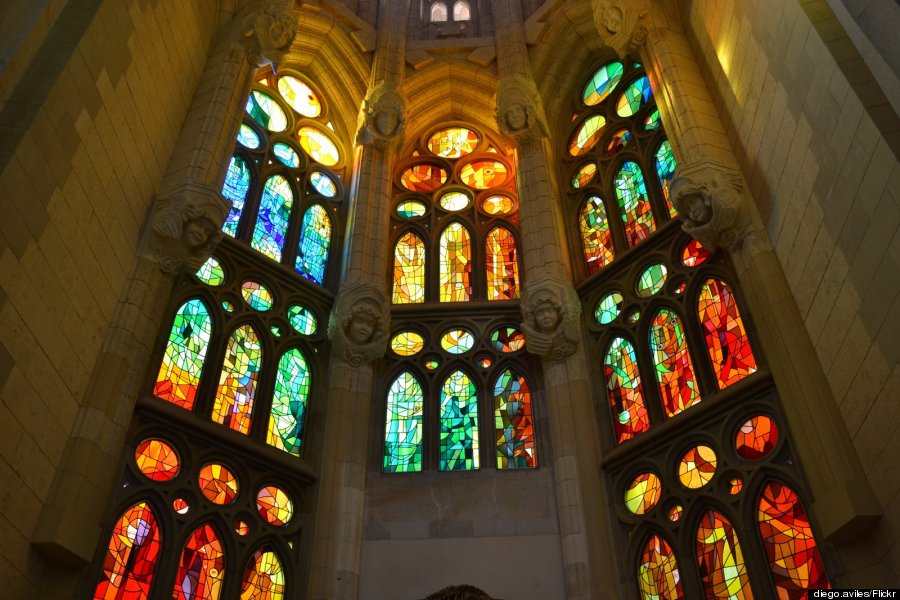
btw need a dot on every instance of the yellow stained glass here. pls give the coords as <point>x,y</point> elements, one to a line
<point>300,96</point>
<point>587,135</point>
<point>423,177</point>
<point>454,201</point>
<point>453,142</point>
<point>409,270</point>
<point>455,264</point>
<point>319,146</point>
<point>407,343</point>
<point>484,174</point>
<point>498,205</point>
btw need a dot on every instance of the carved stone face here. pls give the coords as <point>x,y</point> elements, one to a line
<point>196,233</point>
<point>386,121</point>
<point>612,19</point>
<point>697,208</point>
<point>361,328</point>
<point>516,117</point>
<point>546,317</point>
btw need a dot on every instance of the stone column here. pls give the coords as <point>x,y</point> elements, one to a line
<point>717,209</point>
<point>360,322</point>
<point>181,232</point>
<point>552,314</point>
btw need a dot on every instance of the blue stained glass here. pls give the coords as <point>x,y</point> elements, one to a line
<point>272,221</point>
<point>634,97</point>
<point>323,184</point>
<point>247,137</point>
<point>315,237</point>
<point>459,424</point>
<point>665,170</point>
<point>237,183</point>
<point>286,155</point>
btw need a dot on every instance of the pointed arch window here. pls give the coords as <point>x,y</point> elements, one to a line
<point>514,422</point>
<point>438,12</point>
<point>658,571</point>
<point>237,385</point>
<point>131,555</point>
<point>461,11</point>
<point>455,264</point>
<point>185,354</point>
<point>726,338</point>
<point>263,577</point>
<point>723,571</point>
<point>626,398</point>
<point>403,429</point>
<point>502,265</point>
<point>409,270</point>
<point>201,568</point>
<point>674,370</point>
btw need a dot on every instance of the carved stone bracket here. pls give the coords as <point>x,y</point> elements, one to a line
<point>460,592</point>
<point>382,117</point>
<point>520,113</point>
<point>622,24</point>
<point>359,324</point>
<point>552,314</point>
<point>185,227</point>
<point>266,29</point>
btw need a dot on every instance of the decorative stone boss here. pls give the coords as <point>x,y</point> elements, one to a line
<point>359,324</point>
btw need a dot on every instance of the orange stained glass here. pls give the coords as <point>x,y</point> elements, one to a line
<point>319,146</point>
<point>642,494</point>
<point>274,506</point>
<point>131,556</point>
<point>726,339</point>
<point>502,265</point>
<point>453,142</point>
<point>794,558</point>
<point>218,484</point>
<point>484,174</point>
<point>596,238</point>
<point>263,577</point>
<point>585,175</point>
<point>157,460</point>
<point>423,177</point>
<point>181,506</point>
<point>185,354</point>
<point>409,270</point>
<point>623,385</point>
<point>587,135</point>
<point>757,437</point>
<point>658,576</point>
<point>674,369</point>
<point>233,406</point>
<point>455,265</point>
<point>201,569</point>
<point>735,486</point>
<point>697,467</point>
<point>498,205</point>
<point>723,572</point>
<point>694,254</point>
<point>241,527</point>
<point>634,204</point>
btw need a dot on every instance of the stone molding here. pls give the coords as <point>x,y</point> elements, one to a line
<point>359,324</point>
<point>185,227</point>
<point>520,112</point>
<point>382,117</point>
<point>552,318</point>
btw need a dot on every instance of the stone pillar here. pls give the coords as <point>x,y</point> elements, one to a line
<point>552,314</point>
<point>181,232</point>
<point>717,209</point>
<point>360,322</point>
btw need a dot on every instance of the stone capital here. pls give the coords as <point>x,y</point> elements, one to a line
<point>520,112</point>
<point>552,318</point>
<point>382,117</point>
<point>359,324</point>
<point>623,24</point>
<point>266,29</point>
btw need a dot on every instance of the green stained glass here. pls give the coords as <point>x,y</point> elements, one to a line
<point>652,122</point>
<point>247,137</point>
<point>585,175</point>
<point>233,405</point>
<point>315,238</point>
<point>457,341</point>
<point>410,209</point>
<point>323,184</point>
<point>403,426</point>
<point>302,319</point>
<point>634,97</point>
<point>266,111</point>
<point>665,170</point>
<point>602,83</point>
<point>228,306</point>
<point>272,220</point>
<point>288,416</point>
<point>608,308</point>
<point>182,363</point>
<point>211,272</point>
<point>256,295</point>
<point>651,280</point>
<point>237,183</point>
<point>587,135</point>
<point>286,155</point>
<point>507,339</point>
<point>459,424</point>
<point>634,205</point>
<point>432,364</point>
<point>514,422</point>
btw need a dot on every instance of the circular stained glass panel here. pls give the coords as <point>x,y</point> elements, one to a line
<point>694,254</point>
<point>410,209</point>
<point>302,320</point>
<point>508,339</point>
<point>602,83</point>
<point>211,272</point>
<point>265,111</point>
<point>617,142</point>
<point>457,341</point>
<point>247,137</point>
<point>757,437</point>
<point>432,364</point>
<point>157,460</point>
<point>181,506</point>
<point>454,201</point>
<point>498,205</point>
<point>423,177</point>
<point>652,121</point>
<point>484,174</point>
<point>608,308</point>
<point>453,142</point>
<point>697,467</point>
<point>241,527</point>
<point>587,135</point>
<point>218,484</point>
<point>735,485</point>
<point>286,155</point>
<point>643,493</point>
<point>323,184</point>
<point>675,512</point>
<point>300,96</point>
<point>319,146</point>
<point>274,506</point>
<point>407,343</point>
<point>256,295</point>
<point>651,280</point>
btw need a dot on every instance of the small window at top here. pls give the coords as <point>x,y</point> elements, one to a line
<point>439,12</point>
<point>460,11</point>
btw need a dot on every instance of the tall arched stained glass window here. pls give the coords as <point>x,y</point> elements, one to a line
<point>658,575</point>
<point>665,171</point>
<point>723,571</point>
<point>237,184</point>
<point>674,369</point>
<point>315,237</point>
<point>237,384</point>
<point>403,429</point>
<point>455,264</point>
<point>182,364</point>
<point>514,422</point>
<point>288,415</point>
<point>634,205</point>
<point>595,235</point>
<point>459,424</point>
<point>726,338</point>
<point>131,556</point>
<point>272,219</point>
<point>201,568</point>
<point>502,265</point>
<point>409,270</point>
<point>263,577</point>
<point>626,398</point>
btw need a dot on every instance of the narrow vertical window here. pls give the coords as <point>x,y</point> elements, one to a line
<point>237,184</point>
<point>237,385</point>
<point>438,12</point>
<point>288,416</point>
<point>674,370</point>
<point>272,220</point>
<point>461,11</point>
<point>502,265</point>
<point>315,237</point>
<point>263,577</point>
<point>182,363</point>
<point>665,170</point>
<point>455,264</point>
<point>131,556</point>
<point>459,424</point>
<point>514,422</point>
<point>403,426</point>
<point>723,572</point>
<point>726,339</point>
<point>409,270</point>
<point>623,384</point>
<point>658,577</point>
<point>631,190</point>
<point>596,237</point>
<point>201,569</point>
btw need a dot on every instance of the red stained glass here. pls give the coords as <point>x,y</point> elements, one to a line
<point>218,484</point>
<point>263,577</point>
<point>634,204</point>
<point>658,575</point>
<point>721,562</point>
<point>756,438</point>
<point>694,254</point>
<point>790,545</point>
<point>674,370</point>
<point>423,177</point>
<point>502,265</point>
<point>596,237</point>
<point>623,384</point>
<point>131,556</point>
<point>729,348</point>
<point>201,568</point>
<point>157,460</point>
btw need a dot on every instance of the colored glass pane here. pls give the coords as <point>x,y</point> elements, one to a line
<point>423,177</point>
<point>484,362</point>
<point>729,348</point>
<point>508,339</point>
<point>323,184</point>
<point>513,422</point>
<point>484,174</point>
<point>634,317</point>
<point>432,364</point>
<point>658,576</point>
<point>438,12</point>
<point>403,426</point>
<point>585,175</point>
<point>286,155</point>
<point>218,484</point>
<point>237,183</point>
<point>315,238</point>
<point>455,265</point>
<point>241,527</point>
<point>634,97</point>
<point>300,96</point>
<point>276,330</point>
<point>181,506</point>
<point>233,405</point>
<point>274,506</point>
<point>789,542</point>
<point>723,572</point>
<point>596,237</point>
<point>407,343</point>
<point>642,494</point>
<point>651,280</point>
<point>272,220</point>
<point>302,320</point>
<point>409,270</point>
<point>608,308</point>
<point>265,111</point>
<point>453,142</point>
<point>735,485</point>
<point>263,577</point>
<point>454,201</point>
<point>587,135</point>
<point>675,512</point>
<point>498,205</point>
<point>602,83</point>
<point>652,121</point>
<point>157,460</point>
<point>182,363</point>
<point>665,171</point>
<point>457,341</point>
<point>318,146</point>
<point>228,306</point>
<point>201,568</point>
<point>634,205</point>
<point>502,265</point>
<point>672,362</point>
<point>461,11</point>
<point>410,209</point>
<point>211,272</point>
<point>256,295</point>
<point>623,384</point>
<point>247,137</point>
<point>289,399</point>
<point>459,424</point>
<point>617,142</point>
<point>694,254</point>
<point>757,437</point>
<point>131,556</point>
<point>697,467</point>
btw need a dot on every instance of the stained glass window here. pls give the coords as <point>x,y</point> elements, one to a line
<point>726,339</point>
<point>403,431</point>
<point>602,83</point>
<point>201,569</point>
<point>237,386</point>
<point>237,184</point>
<point>455,264</point>
<point>722,569</point>
<point>459,424</point>
<point>131,556</point>
<point>410,209</point>
<point>484,174</point>
<point>409,270</point>
<point>157,460</point>
<point>585,175</point>
<point>634,97</point>
<point>453,142</point>
<point>634,204</point>
<point>658,576</point>
<point>319,146</point>
<point>218,484</point>
<point>300,96</point>
<point>514,422</point>
<point>757,437</point>
<point>272,221</point>
<point>263,577</point>
<point>315,237</point>
<point>266,111</point>
<point>697,467</point>
<point>642,495</point>
<point>595,235</point>
<point>182,363</point>
<point>674,370</point>
<point>502,265</point>
<point>587,136</point>
<point>665,170</point>
<point>423,177</point>
<point>623,384</point>
<point>288,416</point>
<point>274,506</point>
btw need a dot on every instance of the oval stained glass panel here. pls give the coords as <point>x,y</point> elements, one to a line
<point>286,155</point>
<point>643,493</point>
<point>585,175</point>
<point>274,506</point>
<point>211,272</point>
<point>587,135</point>
<point>265,111</point>
<point>454,201</point>
<point>247,137</point>
<point>407,343</point>
<point>457,341</point>
<point>608,308</point>
<point>157,460</point>
<point>423,177</point>
<point>257,296</point>
<point>697,467</point>
<point>756,438</point>
<point>652,122</point>
<point>319,146</point>
<point>602,83</point>
<point>300,96</point>
<point>453,142</point>
<point>498,205</point>
<point>694,254</point>
<point>507,339</point>
<point>410,209</point>
<point>484,174</point>
<point>651,280</point>
<point>617,142</point>
<point>218,484</point>
<point>181,506</point>
<point>323,184</point>
<point>302,320</point>
<point>634,97</point>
